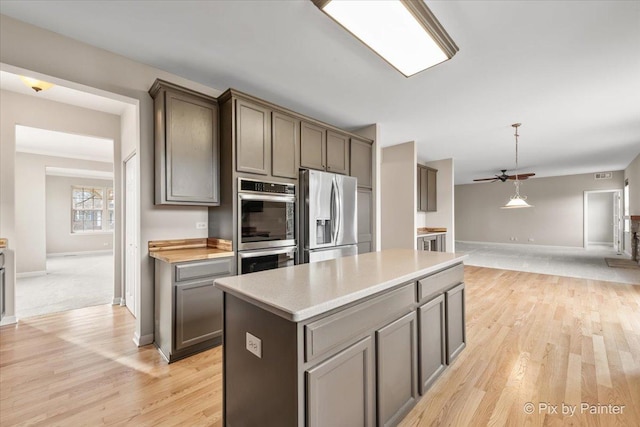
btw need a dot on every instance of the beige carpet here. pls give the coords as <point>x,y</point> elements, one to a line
<point>622,263</point>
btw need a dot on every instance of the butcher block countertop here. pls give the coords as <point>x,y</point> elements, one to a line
<point>300,292</point>
<point>3,243</point>
<point>173,251</point>
<point>423,231</point>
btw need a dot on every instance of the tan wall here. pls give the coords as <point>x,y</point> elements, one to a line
<point>600,218</point>
<point>60,239</point>
<point>398,196</point>
<point>632,173</point>
<point>81,64</point>
<point>557,218</point>
<point>444,216</point>
<point>31,206</point>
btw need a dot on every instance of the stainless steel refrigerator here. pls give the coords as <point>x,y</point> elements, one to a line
<point>328,216</point>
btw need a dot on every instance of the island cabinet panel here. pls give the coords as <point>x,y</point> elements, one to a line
<point>285,145</point>
<point>397,369</point>
<point>340,390</point>
<point>253,138</point>
<point>186,146</point>
<point>361,161</point>
<point>433,360</point>
<point>456,331</point>
<point>337,153</point>
<point>313,146</point>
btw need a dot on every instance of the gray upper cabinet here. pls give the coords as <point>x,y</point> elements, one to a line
<point>285,145</point>
<point>427,196</point>
<point>337,153</point>
<point>365,221</point>
<point>323,149</point>
<point>313,146</point>
<point>186,146</point>
<point>253,137</point>
<point>361,160</point>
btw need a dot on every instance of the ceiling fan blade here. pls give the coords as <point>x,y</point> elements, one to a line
<point>527,174</point>
<point>521,176</point>
<point>486,179</point>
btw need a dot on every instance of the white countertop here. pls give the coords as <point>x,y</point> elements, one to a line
<point>300,292</point>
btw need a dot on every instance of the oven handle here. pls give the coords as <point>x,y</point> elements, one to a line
<point>254,254</point>
<point>271,198</point>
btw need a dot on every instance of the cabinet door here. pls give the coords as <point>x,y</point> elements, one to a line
<point>191,150</point>
<point>337,153</point>
<point>365,223</point>
<point>455,311</point>
<point>432,190</point>
<point>432,342</point>
<point>423,188</point>
<point>313,146</point>
<point>198,313</point>
<point>397,374</point>
<point>253,140</point>
<point>340,390</point>
<point>361,160</point>
<point>284,151</point>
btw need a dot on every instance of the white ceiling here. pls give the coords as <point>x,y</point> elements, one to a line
<point>65,95</point>
<point>60,144</point>
<point>568,70</point>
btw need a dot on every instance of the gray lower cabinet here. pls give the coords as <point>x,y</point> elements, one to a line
<point>433,360</point>
<point>456,330</point>
<point>340,389</point>
<point>188,307</point>
<point>186,146</point>
<point>365,220</point>
<point>397,369</point>
<point>432,242</point>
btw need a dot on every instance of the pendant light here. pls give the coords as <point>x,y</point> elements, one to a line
<point>517,201</point>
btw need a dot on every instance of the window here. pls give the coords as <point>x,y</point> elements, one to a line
<point>92,209</point>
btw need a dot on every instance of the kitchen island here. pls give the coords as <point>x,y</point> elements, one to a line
<point>351,341</point>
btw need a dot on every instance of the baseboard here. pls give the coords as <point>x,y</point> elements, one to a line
<point>609,244</point>
<point>117,301</point>
<point>9,320</point>
<point>518,245</point>
<point>31,274</point>
<point>61,254</point>
<point>142,340</point>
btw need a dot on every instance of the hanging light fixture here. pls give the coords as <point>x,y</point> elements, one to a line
<point>517,201</point>
<point>36,84</point>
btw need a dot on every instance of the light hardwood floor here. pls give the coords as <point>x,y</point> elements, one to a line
<point>531,338</point>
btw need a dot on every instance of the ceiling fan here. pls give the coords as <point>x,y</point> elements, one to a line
<point>518,176</point>
<point>504,177</point>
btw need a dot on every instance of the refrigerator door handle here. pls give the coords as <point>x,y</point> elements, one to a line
<point>334,211</point>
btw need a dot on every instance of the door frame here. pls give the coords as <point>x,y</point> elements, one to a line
<point>135,310</point>
<point>585,233</point>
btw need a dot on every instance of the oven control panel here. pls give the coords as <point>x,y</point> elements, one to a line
<point>267,187</point>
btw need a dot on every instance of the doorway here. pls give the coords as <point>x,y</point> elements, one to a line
<point>603,219</point>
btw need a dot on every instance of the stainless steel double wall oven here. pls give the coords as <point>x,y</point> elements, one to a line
<point>266,225</point>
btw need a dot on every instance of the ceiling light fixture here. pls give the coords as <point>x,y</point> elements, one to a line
<point>35,84</point>
<point>403,32</point>
<point>517,201</point>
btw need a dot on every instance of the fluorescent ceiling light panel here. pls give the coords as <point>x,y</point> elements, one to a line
<point>404,33</point>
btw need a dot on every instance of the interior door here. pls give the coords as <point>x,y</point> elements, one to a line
<point>617,222</point>
<point>131,233</point>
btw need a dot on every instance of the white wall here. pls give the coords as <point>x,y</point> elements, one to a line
<point>398,196</point>
<point>557,218</point>
<point>600,218</point>
<point>83,66</point>
<point>632,173</point>
<point>60,239</point>
<point>445,215</point>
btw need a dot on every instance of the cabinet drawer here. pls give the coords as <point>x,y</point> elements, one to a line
<point>203,269</point>
<point>338,330</point>
<point>440,282</point>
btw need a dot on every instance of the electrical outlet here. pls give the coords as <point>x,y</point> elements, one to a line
<point>201,225</point>
<point>254,345</point>
<point>531,239</point>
